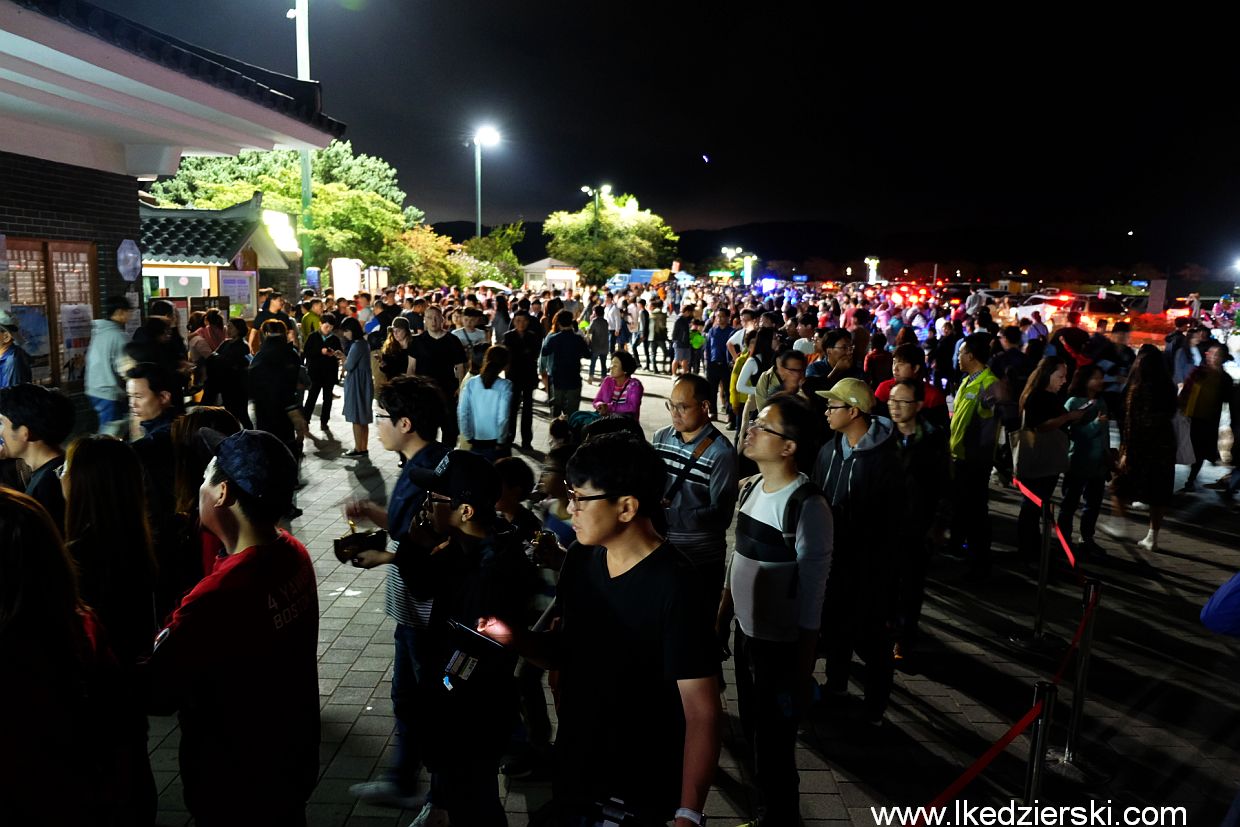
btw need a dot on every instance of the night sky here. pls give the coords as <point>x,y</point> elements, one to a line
<point>888,124</point>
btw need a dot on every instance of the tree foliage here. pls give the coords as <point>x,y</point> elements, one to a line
<point>423,257</point>
<point>496,249</point>
<point>623,237</point>
<point>355,213</point>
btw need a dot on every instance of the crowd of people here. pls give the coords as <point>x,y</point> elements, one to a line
<point>148,565</point>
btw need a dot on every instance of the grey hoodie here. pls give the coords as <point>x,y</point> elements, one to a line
<point>104,379</point>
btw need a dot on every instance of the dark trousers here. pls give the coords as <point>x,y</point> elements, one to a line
<point>534,707</point>
<point>566,401</point>
<point>604,364</point>
<point>1092,490</point>
<point>613,341</point>
<point>658,346</point>
<point>856,623</point>
<point>237,403</point>
<point>971,517</point>
<point>1029,524</point>
<point>319,385</point>
<point>450,430</point>
<point>911,590</point>
<point>719,375</point>
<point>470,793</point>
<point>522,398</point>
<point>766,693</point>
<point>635,347</point>
<point>407,671</point>
<point>695,361</point>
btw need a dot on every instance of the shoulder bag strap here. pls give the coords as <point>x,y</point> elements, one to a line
<point>688,468</point>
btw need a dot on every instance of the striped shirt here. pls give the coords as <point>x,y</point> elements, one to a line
<point>701,511</point>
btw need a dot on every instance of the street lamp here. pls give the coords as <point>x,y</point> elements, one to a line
<point>300,14</point>
<point>485,136</point>
<point>595,192</point>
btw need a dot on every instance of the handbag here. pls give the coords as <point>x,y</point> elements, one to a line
<point>350,545</point>
<point>1184,453</point>
<point>1037,454</point>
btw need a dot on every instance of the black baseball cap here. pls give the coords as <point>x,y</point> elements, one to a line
<point>465,477</point>
<point>256,462</point>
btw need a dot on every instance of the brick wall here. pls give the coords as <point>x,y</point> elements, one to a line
<point>41,199</point>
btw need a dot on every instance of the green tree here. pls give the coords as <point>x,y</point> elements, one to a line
<point>624,236</point>
<point>423,257</point>
<point>495,248</point>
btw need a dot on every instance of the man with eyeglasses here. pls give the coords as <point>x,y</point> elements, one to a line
<point>836,362</point>
<point>701,483</point>
<point>927,509</point>
<point>639,703</point>
<point>410,411</point>
<point>456,559</point>
<point>859,471</point>
<point>776,582</point>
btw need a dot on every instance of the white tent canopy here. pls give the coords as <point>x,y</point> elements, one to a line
<point>538,268</point>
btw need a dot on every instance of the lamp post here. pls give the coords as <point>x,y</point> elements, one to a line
<point>595,192</point>
<point>300,14</point>
<point>485,136</point>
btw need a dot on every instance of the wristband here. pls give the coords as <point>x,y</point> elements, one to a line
<point>692,815</point>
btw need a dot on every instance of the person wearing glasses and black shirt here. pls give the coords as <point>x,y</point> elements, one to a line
<point>835,364</point>
<point>639,701</point>
<point>701,482</point>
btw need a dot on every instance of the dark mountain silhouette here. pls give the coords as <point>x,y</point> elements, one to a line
<point>1043,248</point>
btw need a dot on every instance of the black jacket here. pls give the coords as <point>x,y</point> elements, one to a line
<point>864,490</point>
<point>927,470</point>
<point>273,387</point>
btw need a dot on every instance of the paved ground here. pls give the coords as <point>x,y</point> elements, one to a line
<point>1162,722</point>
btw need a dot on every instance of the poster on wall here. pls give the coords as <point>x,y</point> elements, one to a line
<point>75,326</point>
<point>4,274</point>
<point>135,315</point>
<point>32,326</point>
<point>241,287</point>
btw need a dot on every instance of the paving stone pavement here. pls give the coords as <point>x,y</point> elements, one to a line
<point>1161,723</point>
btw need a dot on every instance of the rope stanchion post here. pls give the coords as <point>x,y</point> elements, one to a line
<point>1044,569</point>
<point>1079,693</point>
<point>1043,697</point>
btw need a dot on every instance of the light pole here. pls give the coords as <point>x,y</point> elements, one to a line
<point>300,14</point>
<point>486,136</point>
<point>595,192</point>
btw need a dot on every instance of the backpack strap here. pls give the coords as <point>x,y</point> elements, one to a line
<point>792,511</point>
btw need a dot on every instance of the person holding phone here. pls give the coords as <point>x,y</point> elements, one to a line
<point>456,560</point>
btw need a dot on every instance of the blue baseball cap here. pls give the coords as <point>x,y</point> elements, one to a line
<point>257,462</point>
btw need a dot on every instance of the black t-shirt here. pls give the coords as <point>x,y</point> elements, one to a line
<point>624,642</point>
<point>1040,407</point>
<point>437,359</point>
<point>44,486</point>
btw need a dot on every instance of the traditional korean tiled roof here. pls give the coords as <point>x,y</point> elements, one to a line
<point>297,99</point>
<point>197,236</point>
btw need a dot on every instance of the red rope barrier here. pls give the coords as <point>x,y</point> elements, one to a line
<point>981,763</point>
<point>1076,639</point>
<point>1063,542</point>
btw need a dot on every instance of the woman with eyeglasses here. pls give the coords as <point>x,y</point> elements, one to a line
<point>109,539</point>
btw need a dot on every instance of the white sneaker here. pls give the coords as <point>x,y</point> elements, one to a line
<point>1150,543</point>
<point>431,817</point>
<point>1139,506</point>
<point>385,794</point>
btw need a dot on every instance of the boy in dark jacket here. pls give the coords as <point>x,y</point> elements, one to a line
<point>859,471</point>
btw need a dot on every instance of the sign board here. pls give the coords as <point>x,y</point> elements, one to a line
<point>241,288</point>
<point>800,277</point>
<point>1134,282</point>
<point>75,325</point>
<point>205,303</point>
